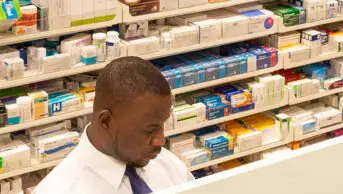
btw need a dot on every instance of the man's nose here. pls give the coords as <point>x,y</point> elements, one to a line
<point>159,139</point>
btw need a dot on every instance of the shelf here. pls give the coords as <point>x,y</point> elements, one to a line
<point>175,51</point>
<point>128,18</point>
<point>228,118</point>
<point>224,80</point>
<point>283,28</point>
<point>298,136</point>
<point>31,78</point>
<point>327,56</point>
<point>8,39</point>
<point>35,166</point>
<point>239,155</point>
<point>322,93</point>
<point>13,128</point>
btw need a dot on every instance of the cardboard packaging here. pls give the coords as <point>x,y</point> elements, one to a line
<point>111,11</point>
<point>39,104</point>
<point>88,11</point>
<point>142,7</point>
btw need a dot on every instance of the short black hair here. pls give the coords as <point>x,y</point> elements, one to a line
<point>126,78</point>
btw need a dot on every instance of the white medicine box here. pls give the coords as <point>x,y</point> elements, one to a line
<point>259,20</point>
<point>209,30</point>
<point>235,26</point>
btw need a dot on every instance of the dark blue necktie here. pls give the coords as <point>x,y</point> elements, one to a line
<point>138,185</point>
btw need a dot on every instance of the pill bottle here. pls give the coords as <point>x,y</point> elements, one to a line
<point>99,40</point>
<point>25,108</point>
<point>113,45</point>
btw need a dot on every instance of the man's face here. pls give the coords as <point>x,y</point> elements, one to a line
<point>138,130</point>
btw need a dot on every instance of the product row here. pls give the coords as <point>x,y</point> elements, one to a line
<point>313,116</point>
<point>44,15</point>
<point>46,99</point>
<point>313,79</point>
<point>211,143</point>
<point>197,107</point>
<point>232,137</point>
<point>37,145</point>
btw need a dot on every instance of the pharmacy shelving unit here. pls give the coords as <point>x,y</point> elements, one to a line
<point>53,119</point>
<point>35,166</point>
<point>298,136</point>
<point>322,93</point>
<point>128,18</point>
<point>8,39</point>
<point>226,80</point>
<point>39,77</point>
<point>286,141</point>
<point>283,29</point>
<point>219,42</point>
<point>284,102</point>
<point>327,56</point>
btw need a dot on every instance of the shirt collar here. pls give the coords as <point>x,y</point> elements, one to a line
<point>107,167</point>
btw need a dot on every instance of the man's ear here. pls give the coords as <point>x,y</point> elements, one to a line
<point>104,119</point>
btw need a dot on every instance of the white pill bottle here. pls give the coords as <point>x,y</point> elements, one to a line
<point>113,45</point>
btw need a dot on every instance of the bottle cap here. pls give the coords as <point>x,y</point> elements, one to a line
<point>99,36</point>
<point>112,35</point>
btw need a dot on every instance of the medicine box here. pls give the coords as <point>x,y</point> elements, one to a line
<point>195,157</point>
<point>234,22</point>
<point>56,63</point>
<point>13,114</point>
<point>88,8</point>
<point>76,10</point>
<point>73,46</point>
<point>142,7</point>
<point>328,117</point>
<point>56,147</point>
<point>185,115</point>
<point>60,14</point>
<point>209,30</point>
<point>143,46</point>
<point>18,157</point>
<point>47,129</point>
<point>111,11</point>
<point>168,5</point>
<point>39,104</point>
<point>65,103</point>
<point>100,7</point>
<point>259,20</point>
<point>187,3</point>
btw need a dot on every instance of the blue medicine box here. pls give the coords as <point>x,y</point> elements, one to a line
<point>221,152</point>
<point>216,142</point>
<point>193,72</point>
<point>226,89</point>
<point>212,98</point>
<point>316,71</point>
<point>217,110</point>
<point>263,58</point>
<point>189,75</point>
<point>242,109</point>
<point>174,78</point>
<point>206,130</point>
<point>215,59</point>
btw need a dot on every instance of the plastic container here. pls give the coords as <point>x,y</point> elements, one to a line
<point>112,45</point>
<point>99,40</point>
<point>25,107</point>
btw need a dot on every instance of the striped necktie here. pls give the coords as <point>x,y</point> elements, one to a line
<point>138,185</point>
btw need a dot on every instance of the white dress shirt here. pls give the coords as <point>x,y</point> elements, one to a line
<point>88,171</point>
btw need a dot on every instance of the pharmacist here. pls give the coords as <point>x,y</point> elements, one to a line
<point>121,150</point>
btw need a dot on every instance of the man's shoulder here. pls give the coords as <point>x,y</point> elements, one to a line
<point>61,178</point>
<point>170,163</point>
